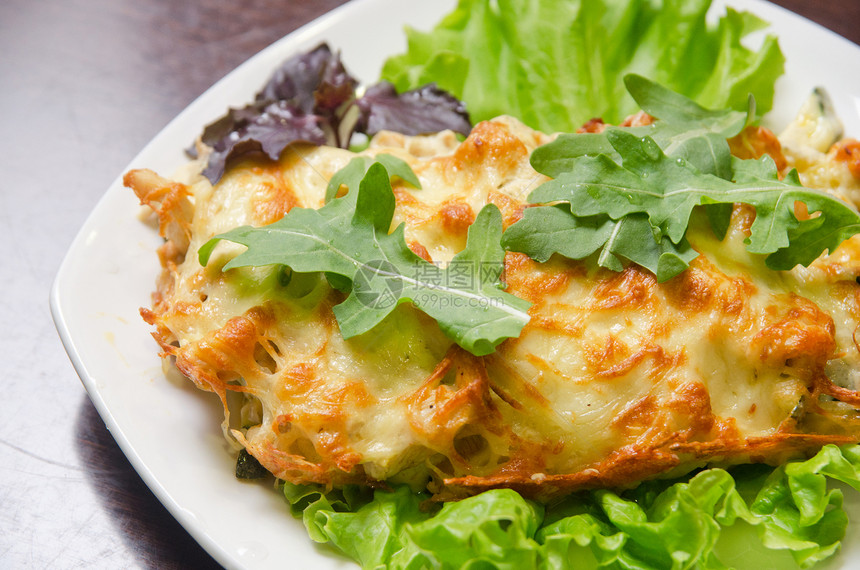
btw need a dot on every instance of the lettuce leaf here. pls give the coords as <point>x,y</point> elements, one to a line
<point>311,97</point>
<point>752,516</point>
<point>554,64</point>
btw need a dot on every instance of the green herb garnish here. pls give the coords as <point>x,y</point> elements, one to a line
<point>633,198</point>
<point>351,174</point>
<point>349,240</point>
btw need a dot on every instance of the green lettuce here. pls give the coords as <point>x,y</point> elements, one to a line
<point>752,516</point>
<point>555,64</point>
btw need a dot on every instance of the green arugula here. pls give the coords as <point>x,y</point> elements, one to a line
<point>349,240</point>
<point>544,231</point>
<point>625,194</point>
<point>685,130</point>
<point>351,174</point>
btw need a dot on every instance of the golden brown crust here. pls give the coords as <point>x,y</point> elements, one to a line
<point>848,151</point>
<point>756,141</point>
<point>616,378</point>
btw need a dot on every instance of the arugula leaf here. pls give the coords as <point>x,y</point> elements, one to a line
<point>647,181</point>
<point>544,231</point>
<point>777,231</point>
<point>616,181</point>
<point>351,174</point>
<point>684,129</point>
<point>554,64</point>
<point>349,239</point>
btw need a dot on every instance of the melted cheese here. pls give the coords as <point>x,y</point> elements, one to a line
<point>615,378</point>
<point>812,147</point>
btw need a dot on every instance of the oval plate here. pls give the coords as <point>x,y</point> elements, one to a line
<point>169,430</point>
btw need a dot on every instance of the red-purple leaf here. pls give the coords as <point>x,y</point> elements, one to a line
<point>427,109</point>
<point>299,79</point>
<point>270,130</point>
<point>308,98</point>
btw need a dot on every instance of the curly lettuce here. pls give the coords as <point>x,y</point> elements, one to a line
<point>555,64</point>
<point>752,516</point>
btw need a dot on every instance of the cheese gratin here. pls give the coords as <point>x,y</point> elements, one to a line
<point>615,379</point>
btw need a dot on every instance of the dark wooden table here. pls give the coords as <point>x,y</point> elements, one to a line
<point>84,84</point>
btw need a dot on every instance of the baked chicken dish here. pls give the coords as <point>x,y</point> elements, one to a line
<point>615,377</point>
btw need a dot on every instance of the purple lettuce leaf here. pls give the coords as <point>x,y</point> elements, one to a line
<point>309,99</point>
<point>311,81</point>
<point>424,110</point>
<point>257,128</point>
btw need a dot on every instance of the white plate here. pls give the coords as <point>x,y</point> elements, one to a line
<point>170,431</point>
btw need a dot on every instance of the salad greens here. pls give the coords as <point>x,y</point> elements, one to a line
<point>621,194</point>
<point>554,64</point>
<point>752,516</point>
<point>311,97</point>
<point>350,176</point>
<point>685,130</point>
<point>349,239</point>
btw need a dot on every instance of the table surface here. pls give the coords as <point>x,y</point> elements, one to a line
<point>84,84</point>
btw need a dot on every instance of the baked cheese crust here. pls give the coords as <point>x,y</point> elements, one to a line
<point>615,379</point>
